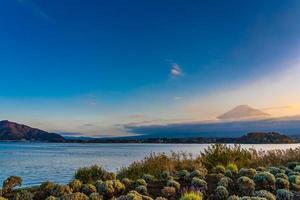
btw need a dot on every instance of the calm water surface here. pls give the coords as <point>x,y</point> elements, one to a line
<point>38,162</point>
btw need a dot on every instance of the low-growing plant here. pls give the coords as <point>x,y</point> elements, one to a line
<point>173,183</point>
<point>142,189</point>
<point>246,186</point>
<point>191,196</point>
<point>148,178</point>
<point>60,190</point>
<point>265,194</point>
<point>88,189</point>
<point>221,193</point>
<point>75,185</point>
<point>233,197</point>
<point>225,182</point>
<point>281,175</point>
<point>90,174</point>
<point>168,191</point>
<point>199,184</point>
<point>283,194</point>
<point>219,169</point>
<point>10,183</point>
<point>23,195</point>
<point>106,188</point>
<point>282,183</point>
<point>247,172</point>
<point>74,196</point>
<point>139,182</point>
<point>233,168</point>
<point>264,181</point>
<point>95,196</point>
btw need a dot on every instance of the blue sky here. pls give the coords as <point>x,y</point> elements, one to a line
<point>89,66</point>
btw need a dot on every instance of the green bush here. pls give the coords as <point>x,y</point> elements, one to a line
<point>191,196</point>
<point>292,165</point>
<point>297,168</point>
<point>148,178</point>
<point>142,189</point>
<point>225,182</point>
<point>199,184</point>
<point>183,175</point>
<point>173,183</point>
<point>23,195</point>
<point>90,174</point>
<point>10,183</point>
<point>283,194</point>
<point>221,193</point>
<point>265,194</point>
<point>246,186</point>
<point>247,172</point>
<point>233,197</point>
<point>95,196</point>
<point>60,190</point>
<point>75,196</point>
<point>48,198</point>
<point>106,188</point>
<point>168,191</point>
<point>219,169</point>
<point>275,170</point>
<point>132,195</point>
<point>233,168</point>
<point>88,189</point>
<point>282,183</point>
<point>281,175</point>
<point>139,182</point>
<point>199,173</point>
<point>264,181</point>
<point>75,185</point>
<point>127,182</point>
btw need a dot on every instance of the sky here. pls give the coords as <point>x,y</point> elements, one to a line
<point>92,67</point>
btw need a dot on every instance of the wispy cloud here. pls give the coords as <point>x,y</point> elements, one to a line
<point>176,70</point>
<point>34,9</point>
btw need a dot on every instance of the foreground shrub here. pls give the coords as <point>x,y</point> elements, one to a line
<point>75,185</point>
<point>90,174</point>
<point>199,173</point>
<point>106,188</point>
<point>265,194</point>
<point>95,196</point>
<point>133,195</point>
<point>199,184</point>
<point>156,164</point>
<point>23,195</point>
<point>127,182</point>
<point>282,183</point>
<point>233,197</point>
<point>225,182</point>
<point>219,169</point>
<point>233,168</point>
<point>281,175</point>
<point>191,196</point>
<point>183,174</point>
<point>294,182</point>
<point>60,190</point>
<point>148,178</point>
<point>88,189</point>
<point>168,191</point>
<point>139,182</point>
<point>275,170</point>
<point>283,194</point>
<point>264,181</point>
<point>246,186</point>
<point>221,193</point>
<point>142,190</point>
<point>75,196</point>
<point>173,183</point>
<point>50,198</point>
<point>10,183</point>
<point>247,172</point>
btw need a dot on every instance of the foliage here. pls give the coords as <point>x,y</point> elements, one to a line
<point>75,185</point>
<point>191,196</point>
<point>23,195</point>
<point>173,183</point>
<point>199,184</point>
<point>265,194</point>
<point>142,189</point>
<point>264,181</point>
<point>247,172</point>
<point>10,183</point>
<point>283,194</point>
<point>90,174</point>
<point>168,191</point>
<point>88,189</point>
<point>282,183</point>
<point>233,168</point>
<point>246,186</point>
<point>221,193</point>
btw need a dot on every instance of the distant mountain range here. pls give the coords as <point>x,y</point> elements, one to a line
<point>234,123</point>
<point>14,131</point>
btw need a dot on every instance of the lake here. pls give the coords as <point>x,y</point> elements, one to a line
<point>38,162</point>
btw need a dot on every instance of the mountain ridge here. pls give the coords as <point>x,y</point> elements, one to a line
<point>14,131</point>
